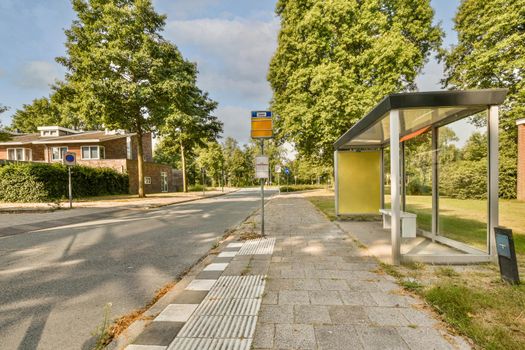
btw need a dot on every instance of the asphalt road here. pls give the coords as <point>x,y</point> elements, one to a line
<point>54,283</point>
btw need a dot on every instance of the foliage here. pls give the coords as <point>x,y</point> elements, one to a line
<point>41,182</point>
<point>211,160</point>
<point>490,54</point>
<point>336,59</point>
<point>295,188</point>
<point>121,72</point>
<point>3,135</point>
<point>39,113</point>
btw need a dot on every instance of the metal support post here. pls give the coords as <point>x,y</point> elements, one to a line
<point>382,184</point>
<point>435,183</point>
<point>493,174</point>
<point>262,193</point>
<point>403,178</point>
<point>395,184</point>
<point>70,189</point>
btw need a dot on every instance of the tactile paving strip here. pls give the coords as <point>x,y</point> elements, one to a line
<point>261,246</point>
<point>226,318</point>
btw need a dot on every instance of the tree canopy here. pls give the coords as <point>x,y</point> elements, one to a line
<point>121,72</point>
<point>490,54</point>
<point>336,59</point>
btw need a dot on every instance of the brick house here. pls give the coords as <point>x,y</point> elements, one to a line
<point>521,159</point>
<point>109,149</point>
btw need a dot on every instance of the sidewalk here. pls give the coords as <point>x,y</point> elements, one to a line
<point>25,221</point>
<point>307,286</point>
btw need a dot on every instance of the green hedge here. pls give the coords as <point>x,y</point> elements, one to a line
<point>34,182</point>
<point>295,188</point>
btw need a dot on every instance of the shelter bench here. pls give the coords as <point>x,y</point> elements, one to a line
<point>408,222</point>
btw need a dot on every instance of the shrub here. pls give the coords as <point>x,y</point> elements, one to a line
<point>464,180</point>
<point>295,188</point>
<point>34,182</point>
<point>415,187</point>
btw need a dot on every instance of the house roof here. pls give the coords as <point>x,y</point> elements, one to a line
<point>417,110</point>
<point>85,137</point>
<point>82,137</point>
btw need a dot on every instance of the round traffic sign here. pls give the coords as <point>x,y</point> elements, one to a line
<point>70,158</point>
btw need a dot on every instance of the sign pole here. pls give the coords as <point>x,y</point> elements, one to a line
<point>70,188</point>
<point>262,194</point>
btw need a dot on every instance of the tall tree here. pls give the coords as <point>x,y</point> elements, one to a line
<point>490,54</point>
<point>191,125</point>
<point>123,73</point>
<point>39,113</point>
<point>336,59</point>
<point>211,160</point>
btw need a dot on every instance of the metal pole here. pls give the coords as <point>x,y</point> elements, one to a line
<point>493,181</point>
<point>203,192</point>
<point>262,193</point>
<point>70,188</point>
<point>395,187</point>
<point>435,182</point>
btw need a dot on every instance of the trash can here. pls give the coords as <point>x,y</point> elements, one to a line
<point>508,264</point>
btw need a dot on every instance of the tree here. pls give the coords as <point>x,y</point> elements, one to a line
<point>336,59</point>
<point>122,73</point>
<point>211,160</point>
<point>490,54</point>
<point>39,113</point>
<point>4,136</point>
<point>191,126</point>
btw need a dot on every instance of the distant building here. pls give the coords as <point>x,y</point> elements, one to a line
<point>102,149</point>
<point>521,159</point>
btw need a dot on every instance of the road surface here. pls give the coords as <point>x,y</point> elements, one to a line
<point>54,283</point>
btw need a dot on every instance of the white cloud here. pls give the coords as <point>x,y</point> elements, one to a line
<point>232,54</point>
<point>236,122</point>
<point>37,75</point>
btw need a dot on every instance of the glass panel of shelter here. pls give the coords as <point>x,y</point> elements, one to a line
<point>462,162</point>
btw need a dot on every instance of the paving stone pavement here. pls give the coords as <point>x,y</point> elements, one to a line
<point>322,292</point>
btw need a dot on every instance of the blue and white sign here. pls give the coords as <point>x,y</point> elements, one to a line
<point>261,114</point>
<point>70,158</point>
<point>287,171</point>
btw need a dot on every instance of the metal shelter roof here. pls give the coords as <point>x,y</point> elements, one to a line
<point>417,110</point>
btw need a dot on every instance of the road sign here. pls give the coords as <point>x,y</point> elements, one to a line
<point>261,167</point>
<point>262,125</point>
<point>287,171</point>
<point>70,158</point>
<point>278,169</point>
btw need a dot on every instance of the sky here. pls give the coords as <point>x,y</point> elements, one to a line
<point>231,41</point>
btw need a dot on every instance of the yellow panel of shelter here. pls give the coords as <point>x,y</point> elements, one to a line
<point>359,179</point>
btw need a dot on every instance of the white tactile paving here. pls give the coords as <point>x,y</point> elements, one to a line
<point>227,254</point>
<point>216,267</point>
<point>260,246</point>
<point>145,347</point>
<point>226,318</point>
<point>235,245</point>
<point>201,284</point>
<point>177,312</point>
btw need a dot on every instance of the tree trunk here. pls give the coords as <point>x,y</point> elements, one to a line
<point>183,160</point>
<point>140,164</point>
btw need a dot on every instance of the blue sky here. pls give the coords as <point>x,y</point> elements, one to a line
<point>231,41</point>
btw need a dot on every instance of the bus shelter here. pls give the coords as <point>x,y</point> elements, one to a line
<point>359,160</point>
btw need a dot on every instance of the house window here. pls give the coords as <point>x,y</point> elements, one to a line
<point>57,153</point>
<point>19,154</point>
<point>93,152</point>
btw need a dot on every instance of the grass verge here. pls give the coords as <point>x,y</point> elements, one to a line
<point>471,299</point>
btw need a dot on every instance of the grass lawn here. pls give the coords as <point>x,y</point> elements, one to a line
<point>472,299</point>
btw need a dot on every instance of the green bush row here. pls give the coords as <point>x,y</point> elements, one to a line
<point>34,182</point>
<point>295,188</point>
